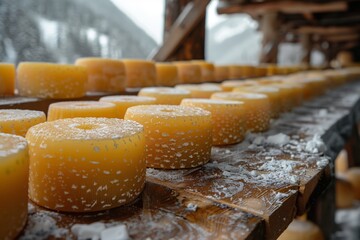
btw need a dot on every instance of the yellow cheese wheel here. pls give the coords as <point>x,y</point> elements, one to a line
<point>176,136</point>
<point>49,80</point>
<point>240,71</point>
<point>256,107</point>
<point>7,79</point>
<point>228,118</point>
<point>301,230</point>
<point>229,85</point>
<point>271,92</point>
<point>104,75</point>
<point>260,71</point>
<point>204,90</point>
<point>188,72</point>
<point>221,73</point>
<point>165,95</point>
<point>207,70</point>
<point>344,193</point>
<point>139,73</point>
<point>167,74</point>
<point>17,121</point>
<point>86,164</point>
<point>353,176</point>
<point>342,162</point>
<point>125,101</point>
<point>271,69</point>
<point>14,179</point>
<point>72,109</point>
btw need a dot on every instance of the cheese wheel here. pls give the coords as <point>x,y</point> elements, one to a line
<point>167,74</point>
<point>240,71</point>
<point>17,121</point>
<point>221,73</point>
<point>7,79</point>
<point>256,107</point>
<point>271,92</point>
<point>260,71</point>
<point>86,164</point>
<point>124,102</point>
<point>188,72</point>
<point>176,136</point>
<point>49,80</point>
<point>72,109</point>
<point>207,70</point>
<point>165,95</point>
<point>353,176</point>
<point>228,118</point>
<point>342,162</point>
<point>344,193</point>
<point>229,85</point>
<point>139,73</point>
<point>300,230</point>
<point>104,75</point>
<point>204,90</point>
<point>14,179</point>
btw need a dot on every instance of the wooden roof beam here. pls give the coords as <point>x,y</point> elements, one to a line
<point>343,38</point>
<point>290,7</point>
<point>326,30</point>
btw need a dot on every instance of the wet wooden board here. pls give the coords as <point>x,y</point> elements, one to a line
<point>160,213</point>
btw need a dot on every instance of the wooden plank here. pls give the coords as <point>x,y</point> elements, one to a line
<point>160,213</point>
<point>289,7</point>
<point>329,30</point>
<point>185,22</point>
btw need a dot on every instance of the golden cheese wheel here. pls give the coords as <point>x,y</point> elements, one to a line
<point>301,230</point>
<point>7,79</point>
<point>188,72</point>
<point>229,85</point>
<point>165,95</point>
<point>207,70</point>
<point>341,162</point>
<point>221,73</point>
<point>72,109</point>
<point>166,74</point>
<point>14,179</point>
<point>139,73</point>
<point>50,80</point>
<point>86,164</point>
<point>204,90</point>
<point>18,121</point>
<point>123,102</point>
<point>104,75</point>
<point>176,136</point>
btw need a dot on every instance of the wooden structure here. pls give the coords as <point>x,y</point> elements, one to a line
<point>246,191</point>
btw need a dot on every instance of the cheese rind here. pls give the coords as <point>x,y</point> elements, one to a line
<point>7,79</point>
<point>123,102</point>
<point>207,70</point>
<point>14,179</point>
<point>49,80</point>
<point>18,121</point>
<point>221,73</point>
<point>104,75</point>
<point>86,164</point>
<point>256,106</point>
<point>204,90</point>
<point>176,136</point>
<point>228,118</point>
<point>166,74</point>
<point>72,109</point>
<point>139,73</point>
<point>165,95</point>
<point>188,72</point>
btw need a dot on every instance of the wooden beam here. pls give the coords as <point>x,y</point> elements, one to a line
<point>269,25</point>
<point>343,38</point>
<point>291,7</point>
<point>326,30</point>
<point>190,16</point>
<point>306,48</point>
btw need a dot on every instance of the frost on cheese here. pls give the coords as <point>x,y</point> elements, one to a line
<point>271,92</point>
<point>50,80</point>
<point>166,74</point>
<point>256,106</point>
<point>228,118</point>
<point>165,95</point>
<point>204,90</point>
<point>86,164</point>
<point>14,175</point>
<point>176,136</point>
<point>139,73</point>
<point>123,102</point>
<point>17,121</point>
<point>188,72</point>
<point>104,75</point>
<point>73,109</point>
<point>7,79</point>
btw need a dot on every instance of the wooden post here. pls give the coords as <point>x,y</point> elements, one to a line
<point>306,45</point>
<point>193,46</point>
<point>269,25</point>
